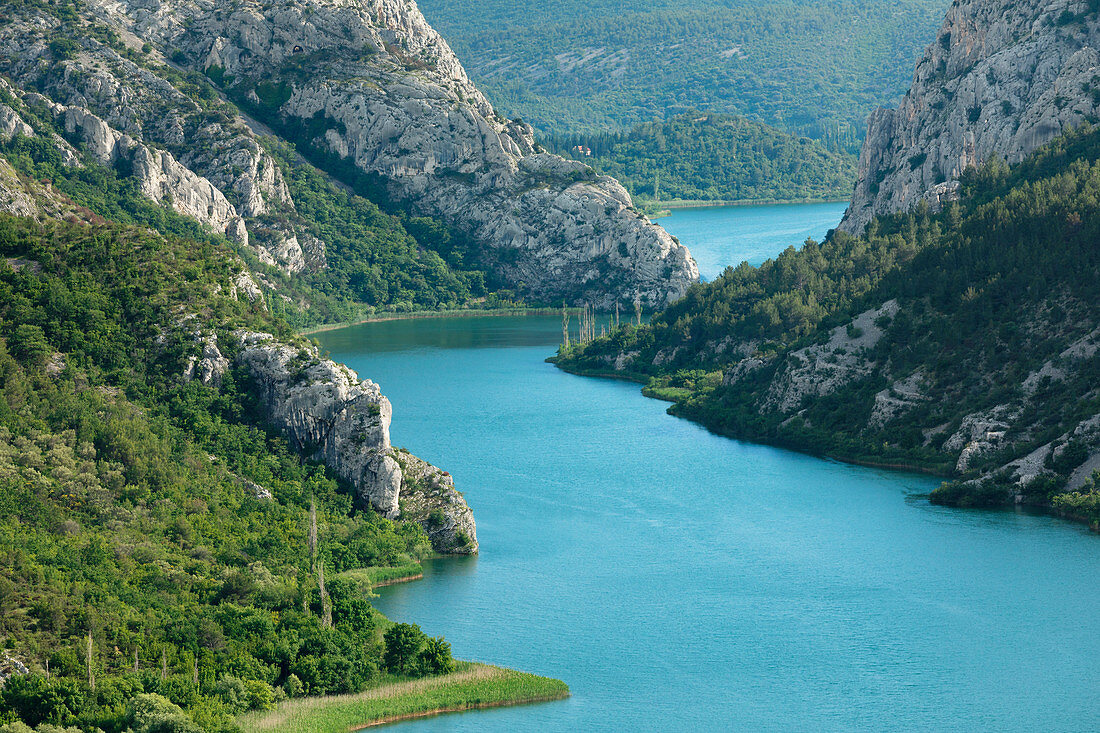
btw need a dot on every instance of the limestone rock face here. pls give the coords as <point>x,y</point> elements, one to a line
<point>11,124</point>
<point>211,366</point>
<point>429,497</point>
<point>328,413</point>
<point>158,174</point>
<point>331,415</point>
<point>818,370</point>
<point>374,84</point>
<point>1002,78</point>
<point>14,197</point>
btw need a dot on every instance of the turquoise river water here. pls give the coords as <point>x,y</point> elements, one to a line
<point>681,581</point>
<point>727,235</point>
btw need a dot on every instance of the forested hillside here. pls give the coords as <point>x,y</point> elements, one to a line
<point>815,69</point>
<point>162,549</point>
<point>965,342</point>
<point>711,157</point>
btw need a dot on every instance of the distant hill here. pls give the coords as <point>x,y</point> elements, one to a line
<point>815,68</point>
<point>712,157</point>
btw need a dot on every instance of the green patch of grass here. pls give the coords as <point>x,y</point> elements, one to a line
<point>469,687</point>
<point>668,394</point>
<point>378,575</point>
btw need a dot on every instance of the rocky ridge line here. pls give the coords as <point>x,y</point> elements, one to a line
<point>1002,78</point>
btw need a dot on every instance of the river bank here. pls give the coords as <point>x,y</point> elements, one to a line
<point>417,315</point>
<point>472,686</point>
<point>939,471</point>
<point>661,209</point>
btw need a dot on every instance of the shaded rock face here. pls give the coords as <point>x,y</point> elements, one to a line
<point>818,370</point>
<point>373,83</point>
<point>1001,79</point>
<point>331,415</point>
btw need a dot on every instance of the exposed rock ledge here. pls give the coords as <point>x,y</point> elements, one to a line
<point>331,415</point>
<point>1002,78</point>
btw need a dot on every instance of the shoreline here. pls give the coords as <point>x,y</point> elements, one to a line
<point>867,463</point>
<point>464,708</point>
<point>416,315</point>
<point>395,581</point>
<point>1045,509</point>
<point>665,208</point>
<point>471,686</point>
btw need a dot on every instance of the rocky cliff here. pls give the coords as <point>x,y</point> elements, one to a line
<point>1000,79</point>
<point>368,87</point>
<point>331,415</point>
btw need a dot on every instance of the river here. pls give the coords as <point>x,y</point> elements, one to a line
<point>677,580</point>
<point>727,235</point>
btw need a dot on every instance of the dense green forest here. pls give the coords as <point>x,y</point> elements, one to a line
<point>815,69</point>
<point>988,290</point>
<point>711,157</point>
<point>157,571</point>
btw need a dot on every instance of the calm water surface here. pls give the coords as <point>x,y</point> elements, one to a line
<point>728,235</point>
<point>682,581</point>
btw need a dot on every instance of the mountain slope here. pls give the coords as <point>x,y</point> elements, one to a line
<point>372,94</point>
<point>1001,79</point>
<point>711,157</point>
<point>572,67</point>
<point>965,342</point>
<point>165,444</point>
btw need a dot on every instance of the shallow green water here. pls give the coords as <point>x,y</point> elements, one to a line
<point>678,580</point>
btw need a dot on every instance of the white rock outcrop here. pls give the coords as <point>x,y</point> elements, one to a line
<point>158,174</point>
<point>1002,78</point>
<point>328,413</point>
<point>819,370</point>
<point>429,497</point>
<point>332,416</point>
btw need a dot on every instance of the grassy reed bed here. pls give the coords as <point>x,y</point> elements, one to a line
<point>379,576</point>
<point>469,687</point>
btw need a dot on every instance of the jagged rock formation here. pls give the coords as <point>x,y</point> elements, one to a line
<point>158,174</point>
<point>429,497</point>
<point>211,366</point>
<point>328,413</point>
<point>1002,78</point>
<point>368,83</point>
<point>374,84</point>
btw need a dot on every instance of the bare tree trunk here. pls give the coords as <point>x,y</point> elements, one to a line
<point>326,602</point>
<point>91,674</point>
<point>564,327</point>
<point>319,567</point>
